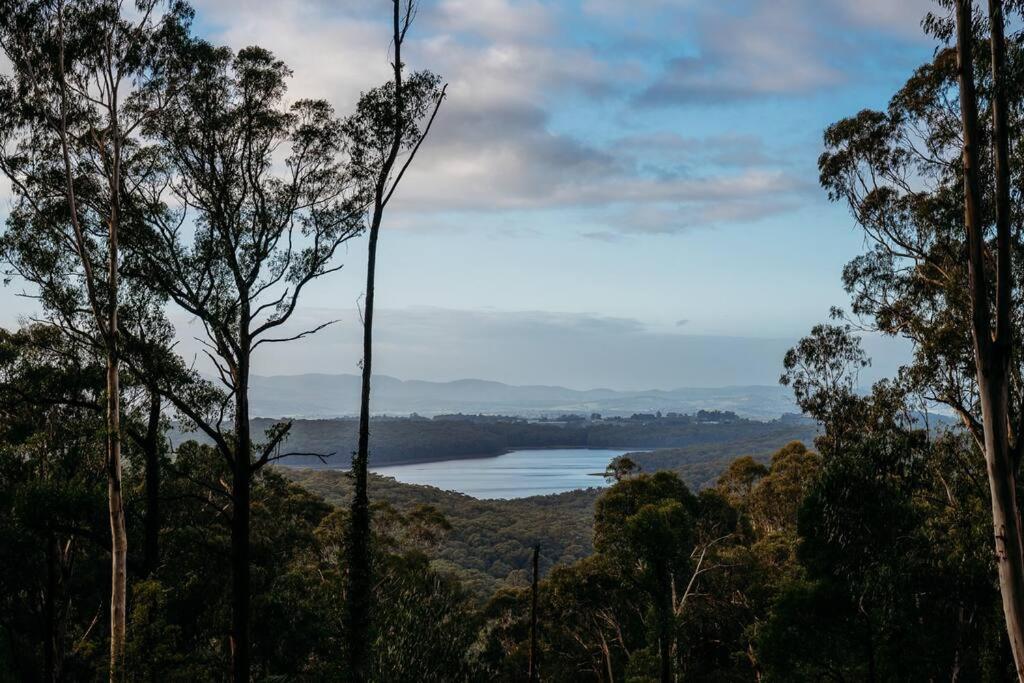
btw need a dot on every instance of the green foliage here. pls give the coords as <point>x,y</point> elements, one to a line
<point>490,541</point>
<point>155,646</point>
<point>620,467</point>
<point>739,479</point>
<point>774,500</point>
<point>645,521</point>
<point>878,525</point>
<point>700,464</point>
<point>900,173</point>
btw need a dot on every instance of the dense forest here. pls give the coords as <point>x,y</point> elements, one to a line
<point>154,171</point>
<point>486,543</point>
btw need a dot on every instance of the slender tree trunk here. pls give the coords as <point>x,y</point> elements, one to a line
<point>607,652</point>
<point>118,533</point>
<point>359,578</point>
<point>534,672</point>
<point>240,502</point>
<point>152,454</point>
<point>50,613</point>
<point>869,652</point>
<point>993,355</point>
<point>106,319</point>
<point>359,611</point>
<point>664,613</point>
<point>1001,140</point>
<point>1005,516</point>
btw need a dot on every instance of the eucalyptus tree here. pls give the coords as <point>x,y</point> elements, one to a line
<point>645,526</point>
<point>252,205</point>
<point>893,509</point>
<point>390,121</point>
<point>992,335</point>
<point>69,137</point>
<point>936,186</point>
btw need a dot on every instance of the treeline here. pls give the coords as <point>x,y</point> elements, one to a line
<point>417,440</point>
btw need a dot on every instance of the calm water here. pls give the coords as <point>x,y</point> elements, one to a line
<point>518,474</point>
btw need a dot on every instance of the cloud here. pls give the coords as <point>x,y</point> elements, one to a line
<point>699,211</point>
<point>724,150</point>
<point>769,50</point>
<point>494,147</point>
<point>901,18</point>
<point>743,50</point>
<point>332,56</point>
<point>519,73</point>
<point>496,19</point>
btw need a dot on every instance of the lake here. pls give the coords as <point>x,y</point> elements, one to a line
<point>517,474</point>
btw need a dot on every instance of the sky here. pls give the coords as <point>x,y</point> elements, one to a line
<point>618,194</point>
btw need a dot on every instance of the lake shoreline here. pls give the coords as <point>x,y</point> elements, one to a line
<point>517,473</point>
<point>469,456</point>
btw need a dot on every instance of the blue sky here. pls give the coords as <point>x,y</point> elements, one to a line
<point>606,179</point>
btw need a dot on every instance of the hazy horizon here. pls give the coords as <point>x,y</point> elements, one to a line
<point>520,348</point>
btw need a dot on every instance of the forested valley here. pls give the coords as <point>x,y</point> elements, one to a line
<point>153,529</point>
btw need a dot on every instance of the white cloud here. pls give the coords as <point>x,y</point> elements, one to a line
<point>508,63</point>
<point>743,49</point>
<point>769,50</point>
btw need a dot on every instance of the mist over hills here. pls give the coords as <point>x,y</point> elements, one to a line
<point>325,395</point>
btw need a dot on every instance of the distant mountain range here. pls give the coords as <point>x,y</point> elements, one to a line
<point>321,395</point>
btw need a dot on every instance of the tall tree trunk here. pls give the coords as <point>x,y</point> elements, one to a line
<point>1001,142</point>
<point>50,613</point>
<point>992,355</point>
<point>664,615</point>
<point>359,622</point>
<point>152,455</point>
<point>118,533</point>
<point>607,652</point>
<point>106,320</point>
<point>534,672</point>
<point>240,504</point>
<point>869,653</point>
<point>359,587</point>
<point>359,611</point>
